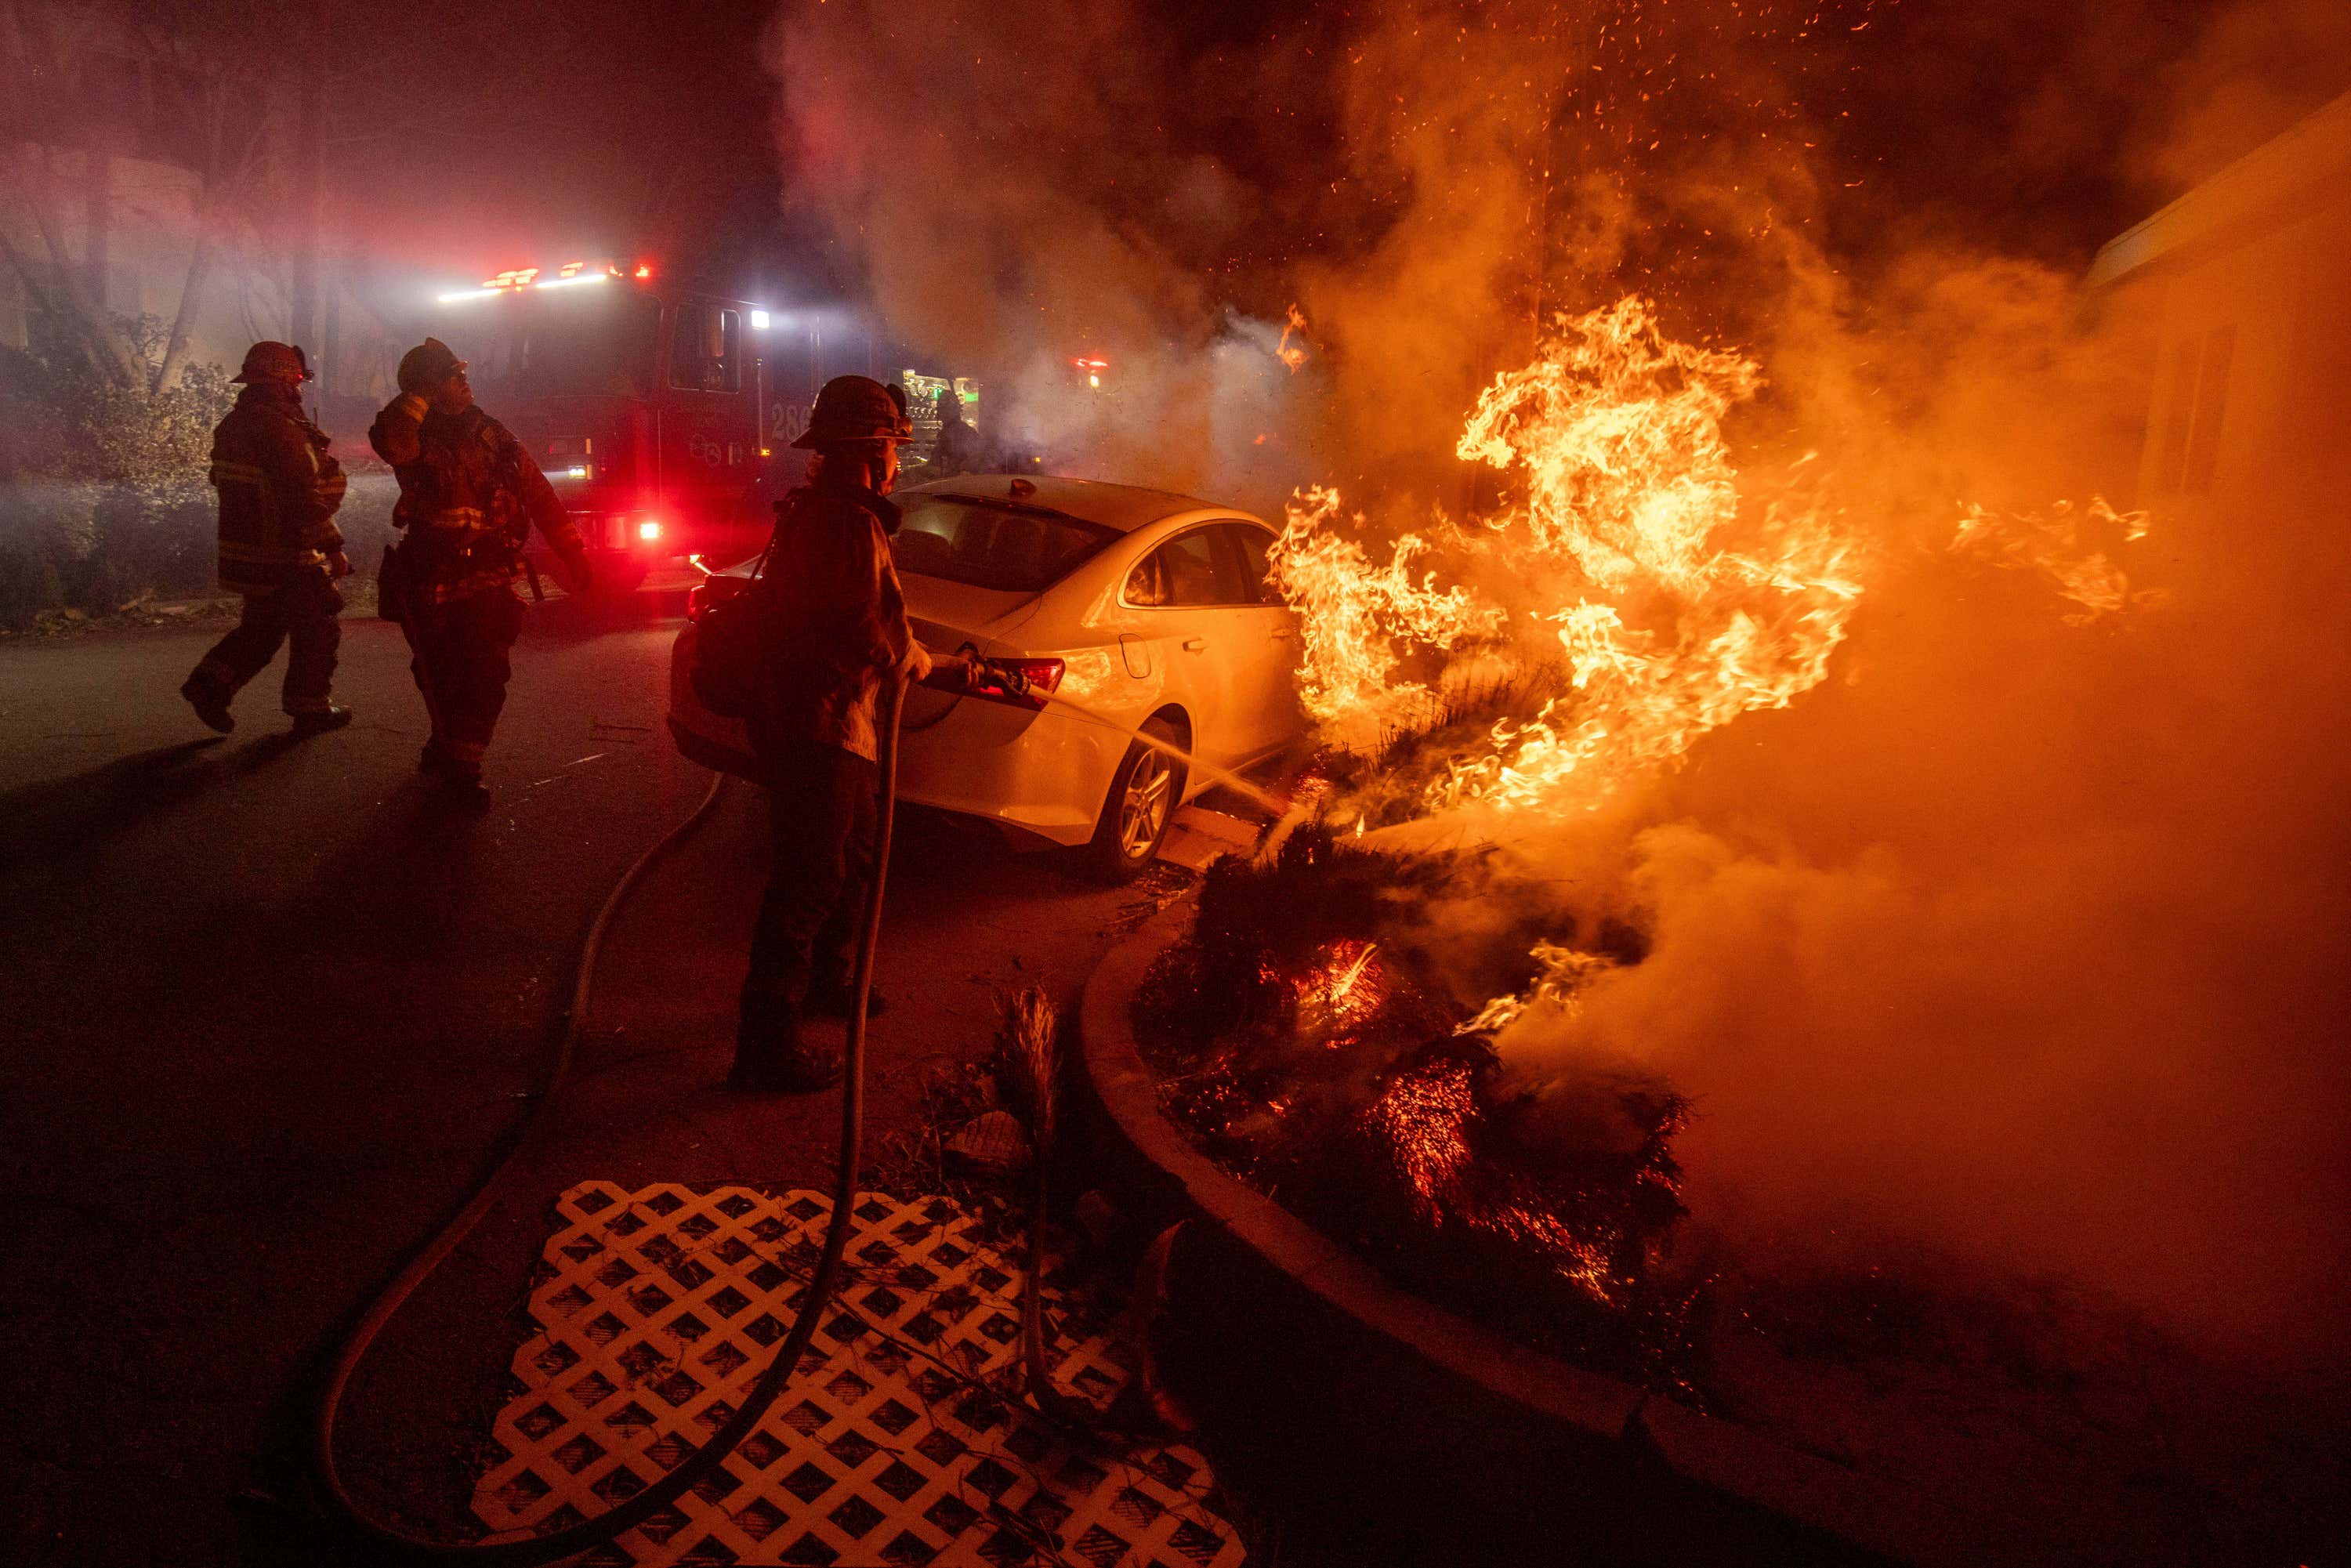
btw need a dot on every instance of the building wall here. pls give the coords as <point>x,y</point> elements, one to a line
<point>2253,383</point>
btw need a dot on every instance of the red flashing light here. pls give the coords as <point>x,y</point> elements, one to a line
<point>1085,364</point>
<point>643,271</point>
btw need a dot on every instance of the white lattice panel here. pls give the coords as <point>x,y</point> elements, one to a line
<point>663,1303</point>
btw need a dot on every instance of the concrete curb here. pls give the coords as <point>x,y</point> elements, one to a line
<point>1786,1504</point>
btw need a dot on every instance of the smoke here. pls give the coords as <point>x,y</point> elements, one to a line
<point>2023,938</point>
<point>2254,68</point>
<point>2020,937</point>
<point>1014,188</point>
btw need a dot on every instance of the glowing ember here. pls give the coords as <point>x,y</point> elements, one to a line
<point>1427,1128</point>
<point>1421,1120</point>
<point>1340,993</point>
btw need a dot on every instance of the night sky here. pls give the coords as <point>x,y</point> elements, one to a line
<point>605,126</point>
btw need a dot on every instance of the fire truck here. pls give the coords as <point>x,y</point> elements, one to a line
<point>661,414</point>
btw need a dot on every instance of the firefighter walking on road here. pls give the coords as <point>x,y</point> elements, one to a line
<point>279,548</point>
<point>468,497</point>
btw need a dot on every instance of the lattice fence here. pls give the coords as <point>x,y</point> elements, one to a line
<point>889,1447</point>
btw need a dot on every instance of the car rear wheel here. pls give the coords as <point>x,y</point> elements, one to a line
<point>1143,795</point>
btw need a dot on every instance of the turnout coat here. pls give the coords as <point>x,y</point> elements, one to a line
<point>278,490</point>
<point>469,494</point>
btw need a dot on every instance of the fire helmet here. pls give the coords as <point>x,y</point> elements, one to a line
<point>857,408</point>
<point>273,363</point>
<point>424,367</point>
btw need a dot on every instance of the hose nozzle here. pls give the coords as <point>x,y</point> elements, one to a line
<point>1010,679</point>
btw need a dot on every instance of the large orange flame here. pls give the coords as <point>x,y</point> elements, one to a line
<point>1675,600</point>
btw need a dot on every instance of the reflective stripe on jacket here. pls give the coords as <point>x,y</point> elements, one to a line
<point>469,495</point>
<point>278,490</point>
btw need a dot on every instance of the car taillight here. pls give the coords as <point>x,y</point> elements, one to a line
<point>1043,675</point>
<point>1037,679</point>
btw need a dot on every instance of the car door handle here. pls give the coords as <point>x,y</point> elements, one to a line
<point>1193,644</point>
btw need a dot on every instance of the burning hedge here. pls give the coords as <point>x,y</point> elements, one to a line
<point>1307,1039</point>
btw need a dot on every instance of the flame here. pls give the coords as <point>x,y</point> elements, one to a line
<point>1676,599</point>
<point>1354,616</point>
<point>1292,357</point>
<point>1562,974</point>
<point>2062,546</point>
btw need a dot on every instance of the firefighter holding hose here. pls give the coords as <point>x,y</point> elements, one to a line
<point>279,548</point>
<point>468,497</point>
<point>835,630</point>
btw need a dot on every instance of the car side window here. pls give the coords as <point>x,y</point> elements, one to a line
<point>1198,569</point>
<point>1147,585</point>
<point>1251,543</point>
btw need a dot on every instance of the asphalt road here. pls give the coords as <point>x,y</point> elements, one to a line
<point>268,1009</point>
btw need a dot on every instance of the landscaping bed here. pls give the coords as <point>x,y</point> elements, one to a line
<point>1260,1056</point>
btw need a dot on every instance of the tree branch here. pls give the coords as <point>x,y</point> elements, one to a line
<point>109,350</point>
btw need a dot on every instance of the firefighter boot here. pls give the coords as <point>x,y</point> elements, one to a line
<point>210,702</point>
<point>463,788</point>
<point>799,1068</point>
<point>771,1057</point>
<point>307,724</point>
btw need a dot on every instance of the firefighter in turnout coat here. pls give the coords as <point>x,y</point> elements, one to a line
<point>469,495</point>
<point>836,628</point>
<point>279,546</point>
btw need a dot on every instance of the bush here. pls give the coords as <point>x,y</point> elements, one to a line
<point>106,495</point>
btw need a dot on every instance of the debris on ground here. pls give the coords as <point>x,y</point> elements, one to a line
<point>991,1144</point>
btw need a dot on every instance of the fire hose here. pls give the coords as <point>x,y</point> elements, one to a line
<point>625,1516</point>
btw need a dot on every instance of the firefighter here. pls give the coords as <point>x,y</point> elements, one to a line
<point>468,497</point>
<point>836,628</point>
<point>957,450</point>
<point>279,548</point>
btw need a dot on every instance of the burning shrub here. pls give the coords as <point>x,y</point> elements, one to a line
<point>1302,1039</point>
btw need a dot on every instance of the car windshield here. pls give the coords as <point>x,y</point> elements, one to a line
<point>599,344</point>
<point>1017,549</point>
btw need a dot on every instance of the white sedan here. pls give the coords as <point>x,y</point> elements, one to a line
<point>1131,612</point>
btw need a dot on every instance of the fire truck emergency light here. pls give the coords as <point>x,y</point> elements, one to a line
<point>649,529</point>
<point>514,279</point>
<point>758,320</point>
